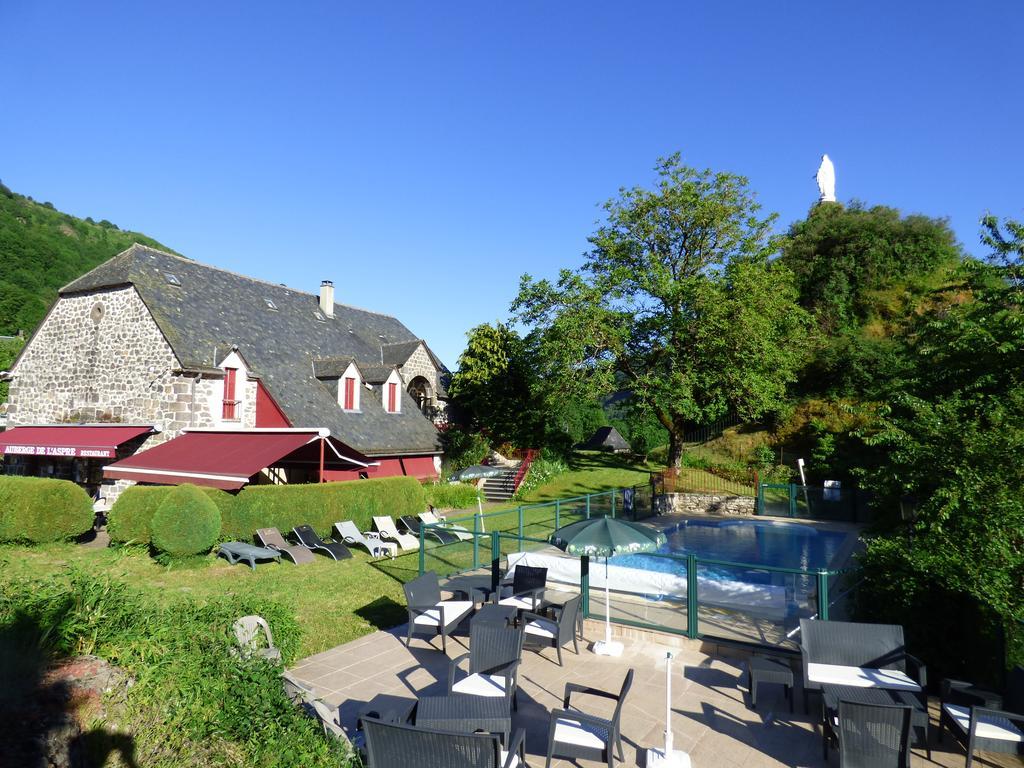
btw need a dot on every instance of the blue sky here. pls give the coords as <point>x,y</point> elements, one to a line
<point>425,155</point>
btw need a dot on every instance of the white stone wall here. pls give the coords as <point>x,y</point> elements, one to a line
<point>704,503</point>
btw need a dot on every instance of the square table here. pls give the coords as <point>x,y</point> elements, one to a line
<point>388,708</point>
<point>465,713</point>
<point>833,694</point>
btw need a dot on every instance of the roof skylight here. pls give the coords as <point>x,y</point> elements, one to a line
<point>172,278</point>
<point>270,304</point>
<point>319,317</point>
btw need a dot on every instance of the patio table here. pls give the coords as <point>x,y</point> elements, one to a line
<point>468,584</point>
<point>490,613</point>
<point>465,713</point>
<point>833,694</point>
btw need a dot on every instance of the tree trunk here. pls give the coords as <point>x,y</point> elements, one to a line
<point>675,450</point>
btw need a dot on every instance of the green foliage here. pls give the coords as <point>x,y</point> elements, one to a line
<point>639,426</point>
<point>543,470</point>
<point>321,505</point>
<point>130,519</point>
<point>451,495</point>
<point>187,522</point>
<point>678,302</point>
<point>842,258</point>
<point>38,510</point>
<point>9,351</point>
<point>44,249</point>
<point>462,448</point>
<point>194,702</point>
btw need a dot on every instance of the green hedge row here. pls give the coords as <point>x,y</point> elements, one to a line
<point>320,505</point>
<point>452,495</point>
<point>38,510</point>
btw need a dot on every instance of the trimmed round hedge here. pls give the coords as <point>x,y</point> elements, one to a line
<point>39,510</point>
<point>187,522</point>
<point>132,515</point>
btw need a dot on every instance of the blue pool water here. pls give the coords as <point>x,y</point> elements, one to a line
<point>751,542</point>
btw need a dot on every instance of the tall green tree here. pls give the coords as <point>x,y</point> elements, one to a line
<point>677,300</point>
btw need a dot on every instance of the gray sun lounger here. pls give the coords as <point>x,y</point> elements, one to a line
<point>272,538</point>
<point>238,551</point>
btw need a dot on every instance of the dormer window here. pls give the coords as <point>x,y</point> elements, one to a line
<point>349,386</point>
<point>230,404</point>
<point>392,394</point>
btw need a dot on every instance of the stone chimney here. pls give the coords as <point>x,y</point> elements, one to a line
<point>327,298</point>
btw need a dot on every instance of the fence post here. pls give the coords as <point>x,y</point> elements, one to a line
<point>588,506</point>
<point>495,559</point>
<point>760,500</point>
<point>520,527</point>
<point>792,499</point>
<point>823,595</point>
<point>585,586</point>
<point>691,597</point>
<point>476,541</point>
<point>423,553</point>
<point>614,494</point>
<point>557,514</point>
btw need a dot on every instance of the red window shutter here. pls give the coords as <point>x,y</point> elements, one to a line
<point>229,393</point>
<point>350,393</point>
<point>392,397</point>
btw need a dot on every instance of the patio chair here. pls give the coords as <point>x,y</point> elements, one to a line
<point>350,535</point>
<point>494,654</point>
<point>391,745</point>
<point>430,518</point>
<point>388,532</point>
<point>308,538</point>
<point>413,526</point>
<point>576,734</point>
<point>873,735</point>
<point>527,587</point>
<point>247,632</point>
<point>554,633</point>
<point>271,538</point>
<point>982,720</point>
<point>303,696</point>
<point>429,613</point>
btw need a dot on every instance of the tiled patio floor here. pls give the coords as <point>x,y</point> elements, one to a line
<point>711,719</point>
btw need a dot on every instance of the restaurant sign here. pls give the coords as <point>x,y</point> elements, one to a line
<point>61,451</point>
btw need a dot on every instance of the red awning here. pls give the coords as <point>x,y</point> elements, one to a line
<point>93,441</point>
<point>223,459</point>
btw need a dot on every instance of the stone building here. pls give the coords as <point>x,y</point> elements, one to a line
<point>160,342</point>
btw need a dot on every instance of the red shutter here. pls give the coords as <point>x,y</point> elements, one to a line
<point>229,393</point>
<point>392,397</point>
<point>350,393</point>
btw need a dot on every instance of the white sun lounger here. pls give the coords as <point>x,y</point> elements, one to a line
<point>369,541</point>
<point>389,532</point>
<point>431,518</point>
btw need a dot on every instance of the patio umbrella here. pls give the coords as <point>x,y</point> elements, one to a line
<point>606,537</point>
<point>477,471</point>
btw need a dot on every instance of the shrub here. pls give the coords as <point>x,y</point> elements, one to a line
<point>321,505</point>
<point>187,522</point>
<point>132,514</point>
<point>451,495</point>
<point>542,470</point>
<point>462,449</point>
<point>38,510</point>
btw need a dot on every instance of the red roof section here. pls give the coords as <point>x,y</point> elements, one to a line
<point>69,440</point>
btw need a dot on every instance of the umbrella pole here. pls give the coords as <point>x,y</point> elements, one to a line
<point>607,647</point>
<point>668,757</point>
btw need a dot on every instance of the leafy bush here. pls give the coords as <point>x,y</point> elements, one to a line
<point>462,449</point>
<point>542,470</point>
<point>132,514</point>
<point>37,510</point>
<point>321,505</point>
<point>187,522</point>
<point>451,495</point>
<point>194,702</point>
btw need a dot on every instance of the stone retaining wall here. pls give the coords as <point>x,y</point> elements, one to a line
<point>705,503</point>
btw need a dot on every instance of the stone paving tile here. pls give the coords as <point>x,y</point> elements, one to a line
<point>710,715</point>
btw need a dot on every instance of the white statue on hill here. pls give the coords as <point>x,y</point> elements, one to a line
<point>826,178</point>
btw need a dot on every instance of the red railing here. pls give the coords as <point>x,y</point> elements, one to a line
<point>524,467</point>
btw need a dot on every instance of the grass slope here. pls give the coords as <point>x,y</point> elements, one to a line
<point>42,249</point>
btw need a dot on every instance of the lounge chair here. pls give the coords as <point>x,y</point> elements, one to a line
<point>573,733</point>
<point>240,552</point>
<point>554,633</point>
<point>350,535</point>
<point>247,632</point>
<point>413,526</point>
<point>386,528</point>
<point>431,518</point>
<point>429,613</point>
<point>494,654</point>
<point>271,538</point>
<point>307,537</point>
<point>390,745</point>
<point>527,588</point>
<point>983,720</point>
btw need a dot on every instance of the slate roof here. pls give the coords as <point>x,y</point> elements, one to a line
<point>605,439</point>
<point>287,347</point>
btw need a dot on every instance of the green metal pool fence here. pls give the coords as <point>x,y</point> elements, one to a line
<point>706,598</point>
<point>813,502</point>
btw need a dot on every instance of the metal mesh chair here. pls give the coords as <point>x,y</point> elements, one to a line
<point>555,632</point>
<point>494,654</point>
<point>528,583</point>
<point>968,713</point>
<point>576,734</point>
<point>390,745</point>
<point>873,735</point>
<point>429,613</point>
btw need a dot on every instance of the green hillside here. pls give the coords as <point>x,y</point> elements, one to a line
<point>42,249</point>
